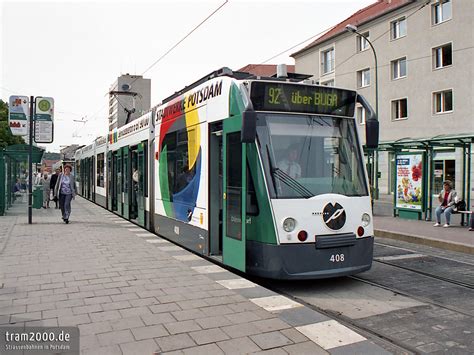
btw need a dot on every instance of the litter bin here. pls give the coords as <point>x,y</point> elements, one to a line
<point>38,197</point>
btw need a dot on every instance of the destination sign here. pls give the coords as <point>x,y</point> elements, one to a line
<point>321,100</point>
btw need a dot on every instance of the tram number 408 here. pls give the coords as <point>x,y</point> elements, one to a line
<point>336,258</point>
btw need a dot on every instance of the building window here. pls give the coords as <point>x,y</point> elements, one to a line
<point>363,78</point>
<point>362,43</point>
<point>441,11</point>
<point>443,56</point>
<point>399,28</point>
<point>328,83</point>
<point>443,101</point>
<point>399,109</point>
<point>399,68</point>
<point>361,115</point>
<point>327,61</point>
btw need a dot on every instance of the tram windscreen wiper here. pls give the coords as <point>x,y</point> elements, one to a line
<point>291,182</point>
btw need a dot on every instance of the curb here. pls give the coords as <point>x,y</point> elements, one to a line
<point>452,246</point>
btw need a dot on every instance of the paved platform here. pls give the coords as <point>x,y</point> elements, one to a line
<point>455,238</point>
<point>131,292</point>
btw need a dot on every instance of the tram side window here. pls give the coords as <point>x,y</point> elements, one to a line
<point>100,169</point>
<point>252,203</point>
<point>177,145</point>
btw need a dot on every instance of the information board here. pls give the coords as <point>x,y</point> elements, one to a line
<point>44,114</point>
<point>18,112</point>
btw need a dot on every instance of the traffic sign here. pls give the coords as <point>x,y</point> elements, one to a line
<point>44,114</point>
<point>18,115</point>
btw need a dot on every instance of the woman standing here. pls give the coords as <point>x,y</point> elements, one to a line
<point>65,191</point>
<point>45,181</point>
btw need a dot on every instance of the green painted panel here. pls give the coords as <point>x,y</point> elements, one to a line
<point>119,181</point>
<point>261,227</point>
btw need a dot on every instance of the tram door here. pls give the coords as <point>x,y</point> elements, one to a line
<point>119,188</point>
<point>127,177</point>
<point>113,181</point>
<point>108,180</point>
<point>93,175</point>
<point>234,194</point>
<point>140,192</point>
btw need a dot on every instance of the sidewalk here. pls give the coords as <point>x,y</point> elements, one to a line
<point>131,292</point>
<point>455,238</point>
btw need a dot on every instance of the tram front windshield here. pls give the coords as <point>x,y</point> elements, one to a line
<point>310,155</point>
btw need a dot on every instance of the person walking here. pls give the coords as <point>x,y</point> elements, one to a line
<point>52,184</point>
<point>65,191</point>
<point>45,182</point>
<point>447,199</point>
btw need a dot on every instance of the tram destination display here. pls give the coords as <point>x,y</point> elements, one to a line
<point>321,100</point>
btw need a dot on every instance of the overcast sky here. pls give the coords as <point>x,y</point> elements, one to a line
<point>73,51</point>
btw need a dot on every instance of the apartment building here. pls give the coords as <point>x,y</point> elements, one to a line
<point>129,98</point>
<point>425,56</point>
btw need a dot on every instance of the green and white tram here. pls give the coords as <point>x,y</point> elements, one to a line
<point>264,175</point>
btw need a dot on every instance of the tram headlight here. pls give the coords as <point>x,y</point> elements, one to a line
<point>289,224</point>
<point>365,219</point>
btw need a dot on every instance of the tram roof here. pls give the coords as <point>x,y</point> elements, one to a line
<point>438,141</point>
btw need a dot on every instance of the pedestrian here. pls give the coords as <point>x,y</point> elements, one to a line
<point>447,199</point>
<point>45,182</point>
<point>52,184</point>
<point>65,191</point>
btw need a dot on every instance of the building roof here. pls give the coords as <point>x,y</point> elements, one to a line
<point>369,13</point>
<point>267,70</point>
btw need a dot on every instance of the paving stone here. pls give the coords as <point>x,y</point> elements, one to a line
<point>364,347</point>
<point>159,318</point>
<point>89,342</point>
<point>301,316</point>
<point>182,327</point>
<point>241,330</point>
<point>95,328</point>
<point>188,314</point>
<point>174,342</point>
<point>270,340</point>
<point>103,350</point>
<point>294,335</point>
<point>134,311</point>
<point>73,321</point>
<point>40,307</point>
<point>152,331</point>
<point>213,322</point>
<point>87,309</point>
<point>208,336</point>
<point>162,308</point>
<point>116,337</point>
<point>147,347</point>
<point>305,348</point>
<point>97,300</point>
<point>106,315</point>
<point>144,302</point>
<point>115,305</point>
<point>126,323</point>
<point>268,325</point>
<point>238,346</point>
<point>244,317</point>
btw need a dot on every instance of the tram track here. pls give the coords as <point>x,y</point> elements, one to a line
<point>393,345</point>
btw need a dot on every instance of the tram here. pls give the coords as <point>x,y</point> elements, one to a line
<point>264,175</point>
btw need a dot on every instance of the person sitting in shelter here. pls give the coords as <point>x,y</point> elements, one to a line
<point>289,165</point>
<point>447,199</point>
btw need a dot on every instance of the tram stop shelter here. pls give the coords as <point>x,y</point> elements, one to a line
<point>12,159</point>
<point>413,173</point>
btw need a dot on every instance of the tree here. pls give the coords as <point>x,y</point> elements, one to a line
<point>6,136</point>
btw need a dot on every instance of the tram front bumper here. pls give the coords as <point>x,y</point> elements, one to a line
<point>305,261</point>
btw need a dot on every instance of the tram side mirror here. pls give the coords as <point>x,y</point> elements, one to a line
<point>249,127</point>
<point>372,134</point>
<point>371,124</point>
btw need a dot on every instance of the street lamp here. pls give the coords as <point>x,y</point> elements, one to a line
<point>353,29</point>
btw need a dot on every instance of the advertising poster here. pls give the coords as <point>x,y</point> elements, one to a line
<point>409,181</point>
